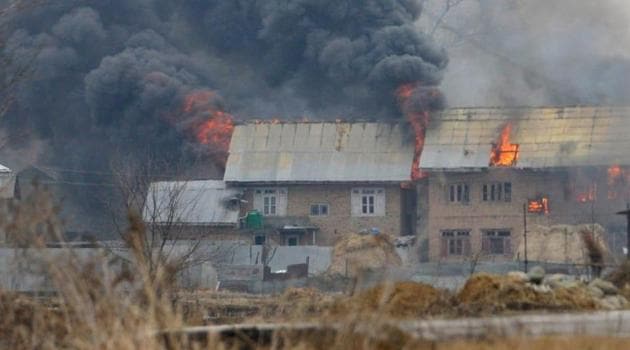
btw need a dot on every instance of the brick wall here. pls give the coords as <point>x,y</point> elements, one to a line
<point>215,233</point>
<point>339,220</point>
<point>437,213</point>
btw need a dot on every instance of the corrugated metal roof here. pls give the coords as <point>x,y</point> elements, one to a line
<point>547,137</point>
<point>191,202</point>
<point>319,152</point>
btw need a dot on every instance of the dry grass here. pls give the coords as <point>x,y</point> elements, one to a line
<point>398,300</point>
<point>101,307</point>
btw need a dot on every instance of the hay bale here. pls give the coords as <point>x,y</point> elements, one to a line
<point>561,243</point>
<point>486,293</point>
<point>356,253</point>
<point>399,300</point>
<point>620,276</point>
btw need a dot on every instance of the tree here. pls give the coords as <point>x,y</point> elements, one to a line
<point>153,218</point>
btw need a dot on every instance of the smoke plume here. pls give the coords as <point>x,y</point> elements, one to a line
<point>534,52</point>
<point>137,77</point>
<point>114,75</point>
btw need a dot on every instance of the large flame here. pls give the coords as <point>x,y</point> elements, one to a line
<point>504,153</point>
<point>539,205</point>
<point>419,121</point>
<point>214,126</point>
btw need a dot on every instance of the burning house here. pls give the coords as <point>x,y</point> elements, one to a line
<point>492,171</point>
<point>315,181</point>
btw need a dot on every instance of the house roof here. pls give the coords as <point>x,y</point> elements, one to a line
<point>192,202</point>
<point>7,182</point>
<point>462,138</point>
<point>320,152</point>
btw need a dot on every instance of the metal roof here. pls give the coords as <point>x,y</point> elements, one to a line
<point>192,202</point>
<point>320,152</point>
<point>547,137</point>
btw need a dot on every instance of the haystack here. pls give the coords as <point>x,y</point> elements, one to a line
<point>484,293</point>
<point>561,243</point>
<point>396,299</point>
<point>355,253</point>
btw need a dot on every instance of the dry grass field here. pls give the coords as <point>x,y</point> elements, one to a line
<point>97,307</point>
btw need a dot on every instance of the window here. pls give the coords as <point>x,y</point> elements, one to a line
<point>319,209</point>
<point>260,239</point>
<point>455,243</point>
<point>497,192</point>
<point>293,240</point>
<point>269,206</point>
<point>496,242</point>
<point>458,193</point>
<point>368,201</point>
<point>271,201</point>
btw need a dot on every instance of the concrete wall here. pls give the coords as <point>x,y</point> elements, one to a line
<point>318,257</point>
<point>339,220</point>
<point>562,188</point>
<point>25,269</point>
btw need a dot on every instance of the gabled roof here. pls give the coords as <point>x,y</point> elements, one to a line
<point>550,137</point>
<point>320,152</point>
<point>192,202</point>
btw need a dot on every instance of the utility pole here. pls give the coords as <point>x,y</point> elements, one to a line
<point>525,234</point>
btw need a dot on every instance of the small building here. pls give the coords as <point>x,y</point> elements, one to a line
<point>491,171</point>
<point>7,191</point>
<point>7,183</point>
<point>316,181</point>
<point>204,209</point>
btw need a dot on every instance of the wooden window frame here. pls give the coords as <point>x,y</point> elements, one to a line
<point>319,207</point>
<point>496,192</point>
<point>455,243</point>
<point>368,202</point>
<point>489,239</point>
<point>458,193</point>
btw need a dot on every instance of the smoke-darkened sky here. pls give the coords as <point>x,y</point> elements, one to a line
<point>114,74</point>
<point>534,52</point>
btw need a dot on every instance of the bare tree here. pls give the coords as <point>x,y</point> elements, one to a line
<point>473,261</point>
<point>165,238</point>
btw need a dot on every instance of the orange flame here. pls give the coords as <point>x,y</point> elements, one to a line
<point>615,173</point>
<point>617,179</point>
<point>540,205</point>
<point>216,130</point>
<point>504,153</point>
<point>589,195</point>
<point>419,122</point>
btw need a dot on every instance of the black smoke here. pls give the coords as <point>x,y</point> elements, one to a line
<point>110,77</point>
<point>112,74</point>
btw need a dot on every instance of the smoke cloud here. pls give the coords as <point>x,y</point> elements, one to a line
<point>114,75</point>
<point>534,52</point>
